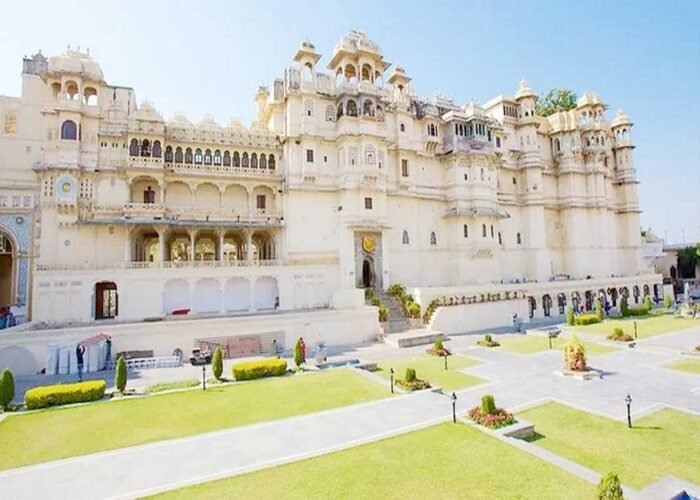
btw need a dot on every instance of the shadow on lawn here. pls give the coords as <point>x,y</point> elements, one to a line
<point>535,437</point>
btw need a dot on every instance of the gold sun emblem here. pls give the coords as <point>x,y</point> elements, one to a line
<point>66,187</point>
<point>368,244</point>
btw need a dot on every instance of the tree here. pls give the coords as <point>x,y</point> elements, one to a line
<point>624,306</point>
<point>668,301</point>
<point>647,303</point>
<point>120,375</point>
<point>7,388</point>
<point>569,316</point>
<point>217,363</point>
<point>298,353</point>
<point>554,101</point>
<point>575,355</point>
<point>687,260</point>
<point>599,309</point>
<point>609,487</point>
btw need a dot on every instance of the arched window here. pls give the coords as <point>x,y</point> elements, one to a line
<point>236,159</point>
<point>351,108</point>
<point>368,108</point>
<point>263,161</point>
<point>207,157</point>
<point>492,231</point>
<point>433,238</point>
<point>188,155</point>
<point>156,149</point>
<point>518,239</point>
<point>482,174</point>
<point>168,157</point>
<point>404,238</point>
<point>145,147</point>
<point>402,127</point>
<point>198,156</point>
<point>217,157</point>
<point>69,130</point>
<point>133,147</point>
<point>254,160</point>
<point>244,160</point>
<point>483,230</point>
<point>466,231</point>
<point>557,145</point>
<point>178,154</point>
<point>340,110</point>
<point>271,162</point>
<point>227,159</point>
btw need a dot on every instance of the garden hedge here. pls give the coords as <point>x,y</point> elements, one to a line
<point>64,394</point>
<point>249,370</point>
<point>586,319</point>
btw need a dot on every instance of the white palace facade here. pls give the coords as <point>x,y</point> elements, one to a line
<point>346,179</point>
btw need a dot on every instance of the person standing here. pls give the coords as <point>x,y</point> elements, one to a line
<point>79,351</point>
<point>108,352</point>
<point>303,349</point>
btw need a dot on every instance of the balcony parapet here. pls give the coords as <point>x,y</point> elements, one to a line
<point>220,170</point>
<point>161,265</point>
<point>187,213</point>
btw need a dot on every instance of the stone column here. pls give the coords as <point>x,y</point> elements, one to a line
<point>127,244</point>
<point>252,295</point>
<point>162,254</point>
<point>193,237</point>
<point>249,245</point>
<point>222,235</point>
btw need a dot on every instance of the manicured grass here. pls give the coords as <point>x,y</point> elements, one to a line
<point>59,433</point>
<point>432,369</point>
<point>686,365</point>
<point>647,326</point>
<point>531,344</point>
<point>665,442</point>
<point>170,386</point>
<point>445,461</point>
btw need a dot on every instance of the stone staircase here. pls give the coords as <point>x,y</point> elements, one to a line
<point>397,321</point>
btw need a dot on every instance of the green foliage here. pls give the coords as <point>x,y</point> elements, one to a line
<point>217,363</point>
<point>569,316</point>
<point>298,354</point>
<point>383,313</point>
<point>7,388</point>
<point>488,404</point>
<point>668,301</point>
<point>647,302</point>
<point>687,260</point>
<point>437,344</point>
<point>249,370</point>
<point>410,375</point>
<point>609,487</point>
<point>369,294</point>
<point>624,306</point>
<point>599,310</point>
<point>414,310</point>
<point>554,101</point>
<point>397,290</point>
<point>586,319</point>
<point>488,341</point>
<point>488,338</point>
<point>120,375</point>
<point>171,386</point>
<point>619,335</point>
<point>375,301</point>
<point>575,355</point>
<point>63,394</point>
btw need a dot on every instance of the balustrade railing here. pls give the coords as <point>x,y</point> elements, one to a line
<point>185,264</point>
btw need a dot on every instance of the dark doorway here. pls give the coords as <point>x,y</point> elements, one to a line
<point>367,274</point>
<point>106,300</point>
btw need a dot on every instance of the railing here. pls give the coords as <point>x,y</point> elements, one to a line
<point>186,168</point>
<point>145,162</point>
<point>161,265</point>
<point>176,213</point>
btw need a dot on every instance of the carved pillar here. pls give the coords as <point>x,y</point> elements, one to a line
<point>249,245</point>
<point>222,235</point>
<point>193,239</point>
<point>127,244</point>
<point>162,254</point>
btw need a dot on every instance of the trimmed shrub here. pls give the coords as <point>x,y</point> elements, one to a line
<point>437,344</point>
<point>586,319</point>
<point>599,310</point>
<point>375,301</point>
<point>249,370</point>
<point>488,404</point>
<point>575,355</point>
<point>414,310</point>
<point>624,306</point>
<point>397,290</point>
<point>609,487</point>
<point>7,388</point>
<point>217,363</point>
<point>619,335</point>
<point>383,313</point>
<point>438,349</point>
<point>668,301</point>
<point>570,316</point>
<point>63,394</point>
<point>487,342</point>
<point>410,375</point>
<point>647,302</point>
<point>298,355</point>
<point>120,375</point>
<point>638,311</point>
<point>411,381</point>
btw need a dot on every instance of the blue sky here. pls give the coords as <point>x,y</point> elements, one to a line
<point>210,57</point>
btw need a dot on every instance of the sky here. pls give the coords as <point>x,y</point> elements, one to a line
<point>209,57</point>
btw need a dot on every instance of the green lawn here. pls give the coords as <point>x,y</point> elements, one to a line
<point>445,461</point>
<point>60,433</point>
<point>432,369</point>
<point>531,344</point>
<point>647,326</point>
<point>666,442</point>
<point>686,365</point>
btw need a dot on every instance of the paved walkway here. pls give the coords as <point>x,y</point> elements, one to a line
<point>516,381</point>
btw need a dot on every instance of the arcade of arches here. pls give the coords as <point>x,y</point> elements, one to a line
<point>178,244</point>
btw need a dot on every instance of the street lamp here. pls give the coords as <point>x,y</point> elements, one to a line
<point>635,329</point>
<point>454,410</point>
<point>444,355</point>
<point>204,377</point>
<point>628,400</point>
<point>392,380</point>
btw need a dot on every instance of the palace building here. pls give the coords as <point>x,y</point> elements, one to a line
<point>345,180</point>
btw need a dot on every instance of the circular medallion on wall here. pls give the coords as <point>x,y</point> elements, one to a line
<point>19,220</point>
<point>66,190</point>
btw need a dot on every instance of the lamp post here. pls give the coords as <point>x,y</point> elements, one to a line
<point>444,355</point>
<point>204,377</point>
<point>628,400</point>
<point>392,380</point>
<point>635,329</point>
<point>549,336</point>
<point>454,410</point>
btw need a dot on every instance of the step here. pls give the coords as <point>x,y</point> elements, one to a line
<point>414,337</point>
